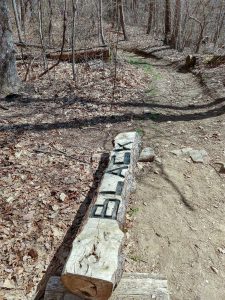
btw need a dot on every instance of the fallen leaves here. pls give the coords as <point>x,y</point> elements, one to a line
<point>46,174</point>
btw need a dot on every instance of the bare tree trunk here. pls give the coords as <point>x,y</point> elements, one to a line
<point>22,14</point>
<point>101,34</point>
<point>150,16</point>
<point>9,81</point>
<point>200,38</point>
<point>176,25</point>
<point>40,17</point>
<point>114,12</point>
<point>74,3</point>
<point>17,20</point>
<point>122,21</point>
<point>134,7</point>
<point>50,23</point>
<point>219,26</point>
<point>167,22</point>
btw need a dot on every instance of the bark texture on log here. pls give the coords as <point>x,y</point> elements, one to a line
<point>9,81</point>
<point>81,56</point>
<point>95,264</point>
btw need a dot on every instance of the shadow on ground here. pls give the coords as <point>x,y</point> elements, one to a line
<point>218,110</point>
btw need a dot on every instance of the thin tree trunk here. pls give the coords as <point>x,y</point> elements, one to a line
<point>219,26</point>
<point>22,15</point>
<point>40,17</point>
<point>50,23</point>
<point>74,3</point>
<point>17,20</point>
<point>167,22</point>
<point>9,80</point>
<point>122,21</point>
<point>114,12</point>
<point>101,34</point>
<point>150,16</point>
<point>176,25</point>
<point>114,55</point>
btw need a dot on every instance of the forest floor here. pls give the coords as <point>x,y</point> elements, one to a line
<point>52,140</point>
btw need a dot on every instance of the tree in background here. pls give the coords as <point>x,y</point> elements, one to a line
<point>150,15</point>
<point>101,34</point>
<point>167,22</point>
<point>176,26</point>
<point>9,81</point>
<point>122,20</point>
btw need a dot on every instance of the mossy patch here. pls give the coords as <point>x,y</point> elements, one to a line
<point>145,65</point>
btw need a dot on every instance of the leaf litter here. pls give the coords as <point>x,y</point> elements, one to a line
<point>51,141</point>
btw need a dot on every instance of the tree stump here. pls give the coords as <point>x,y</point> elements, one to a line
<point>190,61</point>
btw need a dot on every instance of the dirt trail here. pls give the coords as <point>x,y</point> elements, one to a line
<point>179,206</point>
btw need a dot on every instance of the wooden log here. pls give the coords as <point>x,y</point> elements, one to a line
<point>81,56</point>
<point>95,264</point>
<point>102,53</point>
<point>133,286</point>
<point>141,286</point>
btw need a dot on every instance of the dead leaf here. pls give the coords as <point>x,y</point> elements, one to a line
<point>8,284</point>
<point>33,254</point>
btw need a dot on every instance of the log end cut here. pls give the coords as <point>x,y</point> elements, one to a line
<point>87,287</point>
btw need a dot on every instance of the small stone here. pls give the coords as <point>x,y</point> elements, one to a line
<point>179,152</point>
<point>55,207</point>
<point>145,204</point>
<point>198,155</point>
<point>147,155</point>
<point>186,150</point>
<point>62,197</point>
<point>221,250</point>
<point>176,152</point>
<point>158,160</point>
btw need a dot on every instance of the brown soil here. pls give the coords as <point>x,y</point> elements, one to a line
<point>178,209</point>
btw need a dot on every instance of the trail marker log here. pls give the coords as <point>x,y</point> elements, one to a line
<point>95,264</point>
